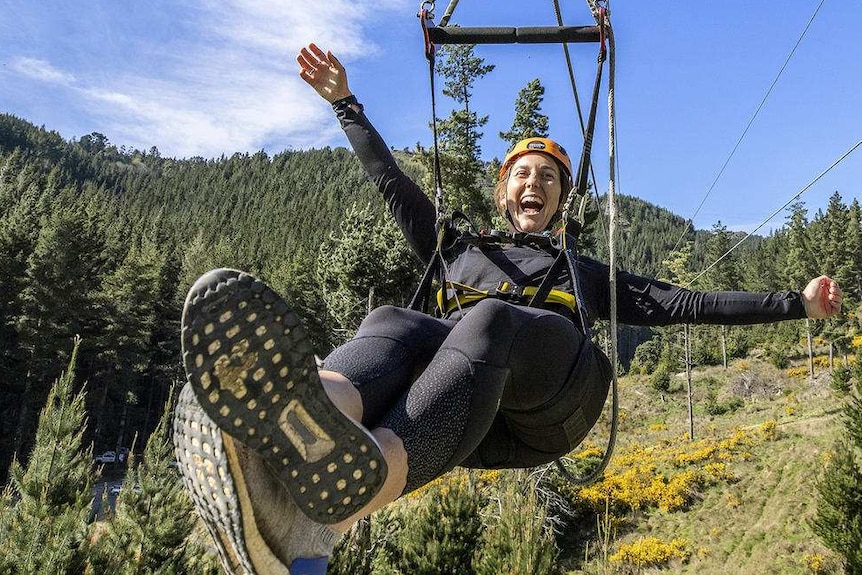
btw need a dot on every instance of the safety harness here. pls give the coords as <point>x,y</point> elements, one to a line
<point>563,242</point>
<point>452,296</point>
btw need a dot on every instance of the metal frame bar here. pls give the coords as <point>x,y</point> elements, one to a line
<point>512,35</point>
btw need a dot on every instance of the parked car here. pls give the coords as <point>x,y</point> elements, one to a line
<point>106,457</point>
<point>115,490</point>
<point>122,454</point>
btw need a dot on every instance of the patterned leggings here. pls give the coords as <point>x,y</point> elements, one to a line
<point>506,386</point>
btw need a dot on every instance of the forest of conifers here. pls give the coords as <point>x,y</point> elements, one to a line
<point>103,242</point>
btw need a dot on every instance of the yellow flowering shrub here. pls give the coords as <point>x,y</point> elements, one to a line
<point>669,475</point>
<point>588,451</point>
<point>768,430</point>
<point>658,427</point>
<point>651,552</point>
<point>732,500</point>
<point>718,471</point>
<point>800,372</point>
<point>815,562</point>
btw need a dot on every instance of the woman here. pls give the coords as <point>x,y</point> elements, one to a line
<point>282,457</point>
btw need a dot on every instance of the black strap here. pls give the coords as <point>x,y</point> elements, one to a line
<point>422,296</point>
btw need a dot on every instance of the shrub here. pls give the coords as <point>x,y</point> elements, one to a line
<point>769,430</point>
<point>713,406</point>
<point>705,352</point>
<point>352,555</point>
<point>841,377</point>
<point>651,552</point>
<point>777,356</point>
<point>442,531</point>
<point>518,539</point>
<point>646,357</point>
<point>660,379</point>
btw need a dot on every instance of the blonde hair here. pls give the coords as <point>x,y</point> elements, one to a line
<point>500,195</point>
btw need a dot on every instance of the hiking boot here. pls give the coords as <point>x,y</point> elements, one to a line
<point>256,526</point>
<point>251,366</point>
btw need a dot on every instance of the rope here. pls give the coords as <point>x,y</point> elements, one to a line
<point>558,13</point>
<point>776,212</point>
<point>750,122</point>
<point>601,15</point>
<point>448,13</point>
<point>425,16</point>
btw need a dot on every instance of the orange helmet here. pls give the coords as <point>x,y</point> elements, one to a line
<point>544,145</point>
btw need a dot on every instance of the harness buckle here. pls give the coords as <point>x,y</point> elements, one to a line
<point>509,292</point>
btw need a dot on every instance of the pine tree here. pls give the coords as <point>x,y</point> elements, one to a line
<point>459,134</point>
<point>724,275</point>
<point>518,538</point>
<point>798,265</point>
<point>18,233</point>
<point>47,505</point>
<point>367,264</point>
<point>839,511</point>
<point>60,301</point>
<point>854,241</point>
<point>154,517</point>
<point>680,273</point>
<point>443,533</point>
<point>830,231</point>
<point>529,122</point>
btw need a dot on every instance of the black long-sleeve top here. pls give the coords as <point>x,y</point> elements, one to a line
<point>640,300</point>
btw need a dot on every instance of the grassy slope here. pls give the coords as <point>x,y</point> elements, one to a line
<point>758,523</point>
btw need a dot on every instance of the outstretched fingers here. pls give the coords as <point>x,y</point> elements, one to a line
<point>323,72</point>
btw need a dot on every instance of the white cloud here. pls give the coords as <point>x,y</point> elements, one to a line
<point>42,70</point>
<point>234,87</point>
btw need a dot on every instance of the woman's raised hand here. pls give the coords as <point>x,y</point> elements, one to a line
<point>822,298</point>
<point>323,72</point>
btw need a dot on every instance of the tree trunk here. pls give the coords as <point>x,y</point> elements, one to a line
<point>810,348</point>
<point>688,377</point>
<point>724,346</point>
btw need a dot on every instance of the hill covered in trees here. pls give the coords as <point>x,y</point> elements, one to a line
<point>103,242</point>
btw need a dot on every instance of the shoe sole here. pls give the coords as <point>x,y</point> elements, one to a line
<point>211,471</point>
<point>203,465</point>
<point>251,365</point>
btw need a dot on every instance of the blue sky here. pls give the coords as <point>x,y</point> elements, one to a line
<point>206,78</point>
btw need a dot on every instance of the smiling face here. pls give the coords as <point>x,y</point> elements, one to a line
<point>533,192</point>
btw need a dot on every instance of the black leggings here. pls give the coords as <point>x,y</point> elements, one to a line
<point>506,386</point>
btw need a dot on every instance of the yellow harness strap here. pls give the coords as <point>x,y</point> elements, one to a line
<point>465,295</point>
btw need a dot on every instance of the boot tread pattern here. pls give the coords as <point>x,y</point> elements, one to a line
<point>204,468</point>
<point>252,367</point>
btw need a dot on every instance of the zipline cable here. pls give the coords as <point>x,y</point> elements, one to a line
<point>776,212</point>
<point>750,122</point>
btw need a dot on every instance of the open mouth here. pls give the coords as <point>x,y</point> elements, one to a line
<point>531,204</point>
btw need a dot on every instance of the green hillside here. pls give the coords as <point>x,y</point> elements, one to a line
<point>755,517</point>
